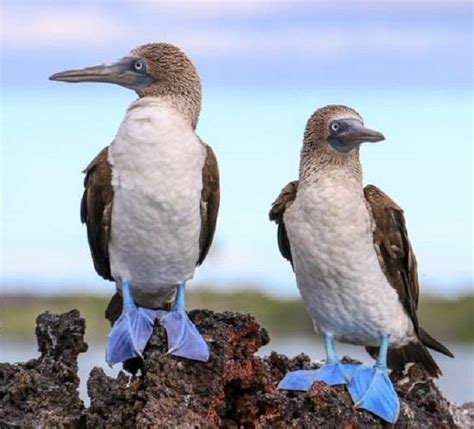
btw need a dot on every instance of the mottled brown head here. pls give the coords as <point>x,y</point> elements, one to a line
<point>152,70</point>
<point>333,135</point>
<point>170,70</point>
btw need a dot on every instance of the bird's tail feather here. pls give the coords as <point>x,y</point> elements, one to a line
<point>114,309</point>
<point>414,352</point>
<point>433,344</point>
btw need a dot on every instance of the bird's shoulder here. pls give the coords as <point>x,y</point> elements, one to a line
<point>99,169</point>
<point>379,199</point>
<point>210,170</point>
<point>286,197</point>
<point>284,200</point>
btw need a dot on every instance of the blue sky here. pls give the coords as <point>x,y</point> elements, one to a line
<point>265,66</point>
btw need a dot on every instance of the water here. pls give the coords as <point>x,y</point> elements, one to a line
<point>456,384</point>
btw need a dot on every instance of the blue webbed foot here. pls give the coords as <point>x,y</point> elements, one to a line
<point>330,373</point>
<point>302,379</point>
<point>336,373</point>
<point>372,390</point>
<point>130,334</point>
<point>184,339</point>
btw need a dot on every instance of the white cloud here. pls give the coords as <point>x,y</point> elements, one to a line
<point>56,27</point>
<point>88,26</point>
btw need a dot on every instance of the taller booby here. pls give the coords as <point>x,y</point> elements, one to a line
<point>354,265</point>
<point>151,198</point>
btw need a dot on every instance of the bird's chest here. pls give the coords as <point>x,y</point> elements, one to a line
<point>156,155</point>
<point>157,163</point>
<point>330,228</point>
<point>337,270</point>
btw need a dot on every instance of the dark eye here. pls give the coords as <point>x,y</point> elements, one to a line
<point>138,65</point>
<point>334,126</point>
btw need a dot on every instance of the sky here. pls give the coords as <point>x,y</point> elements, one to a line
<point>265,66</point>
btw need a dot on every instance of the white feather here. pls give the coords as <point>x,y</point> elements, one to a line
<point>337,270</point>
<point>157,162</point>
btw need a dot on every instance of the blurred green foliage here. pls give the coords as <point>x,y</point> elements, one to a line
<point>449,320</point>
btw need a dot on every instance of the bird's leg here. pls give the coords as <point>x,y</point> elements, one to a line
<point>131,331</point>
<point>332,372</point>
<point>183,337</point>
<point>372,389</point>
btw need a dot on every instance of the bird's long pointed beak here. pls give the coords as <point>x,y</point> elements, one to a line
<point>357,134</point>
<point>120,73</point>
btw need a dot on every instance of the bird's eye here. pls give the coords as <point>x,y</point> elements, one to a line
<point>139,66</point>
<point>334,126</point>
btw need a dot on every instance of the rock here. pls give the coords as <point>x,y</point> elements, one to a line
<point>235,389</point>
<point>43,392</point>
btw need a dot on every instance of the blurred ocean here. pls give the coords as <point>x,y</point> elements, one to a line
<point>456,383</point>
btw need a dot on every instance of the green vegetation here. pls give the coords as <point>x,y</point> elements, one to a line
<point>448,320</point>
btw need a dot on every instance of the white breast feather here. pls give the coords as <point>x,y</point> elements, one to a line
<point>337,270</point>
<point>157,163</point>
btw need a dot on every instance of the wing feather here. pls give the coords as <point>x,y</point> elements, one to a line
<point>96,211</point>
<point>210,199</point>
<point>394,250</point>
<point>398,262</point>
<point>284,200</point>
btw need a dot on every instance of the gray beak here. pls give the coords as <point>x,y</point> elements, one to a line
<point>356,134</point>
<point>120,73</point>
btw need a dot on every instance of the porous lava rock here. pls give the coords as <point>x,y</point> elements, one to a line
<point>234,389</point>
<point>43,392</point>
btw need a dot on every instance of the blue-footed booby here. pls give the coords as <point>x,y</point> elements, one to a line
<point>151,200</point>
<point>354,265</point>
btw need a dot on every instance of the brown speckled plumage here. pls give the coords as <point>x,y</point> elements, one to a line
<point>175,78</point>
<point>316,153</point>
<point>393,248</point>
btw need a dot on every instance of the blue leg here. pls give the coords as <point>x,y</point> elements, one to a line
<point>332,372</point>
<point>372,389</point>
<point>131,331</point>
<point>183,337</point>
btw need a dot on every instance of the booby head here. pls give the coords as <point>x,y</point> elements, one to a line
<point>338,129</point>
<point>151,70</point>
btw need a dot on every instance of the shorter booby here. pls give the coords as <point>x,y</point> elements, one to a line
<point>151,200</point>
<point>354,264</point>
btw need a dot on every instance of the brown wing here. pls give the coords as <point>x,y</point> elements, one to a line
<point>210,198</point>
<point>96,210</point>
<point>398,262</point>
<point>394,250</point>
<point>284,200</point>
